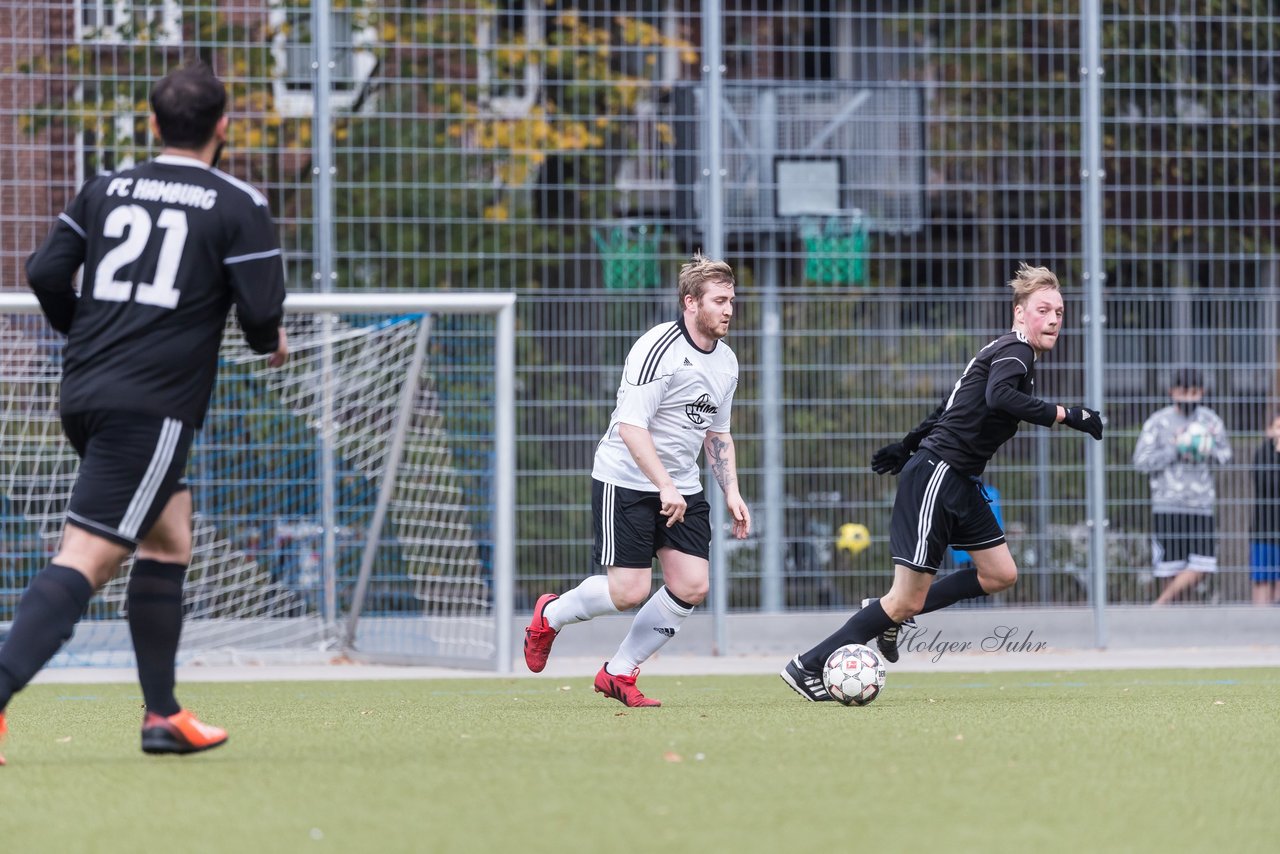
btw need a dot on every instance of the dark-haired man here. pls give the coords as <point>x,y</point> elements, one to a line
<point>1177,449</point>
<point>166,248</point>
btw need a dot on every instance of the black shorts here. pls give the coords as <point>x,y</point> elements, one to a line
<point>130,466</point>
<point>1183,541</point>
<point>936,508</point>
<point>629,527</point>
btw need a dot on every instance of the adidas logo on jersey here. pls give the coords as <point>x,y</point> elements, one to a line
<point>687,363</point>
<point>665,630</point>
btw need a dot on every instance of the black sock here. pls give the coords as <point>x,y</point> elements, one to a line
<point>154,602</point>
<point>46,616</point>
<point>861,627</point>
<point>962,584</point>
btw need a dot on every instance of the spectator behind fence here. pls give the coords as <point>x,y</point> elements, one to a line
<point>1177,447</point>
<point>1264,548</point>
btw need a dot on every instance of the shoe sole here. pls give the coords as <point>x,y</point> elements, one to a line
<point>655,704</point>
<point>160,743</point>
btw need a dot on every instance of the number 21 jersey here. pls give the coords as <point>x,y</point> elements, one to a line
<point>167,248</point>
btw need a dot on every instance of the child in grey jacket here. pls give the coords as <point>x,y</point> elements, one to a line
<point>1177,448</point>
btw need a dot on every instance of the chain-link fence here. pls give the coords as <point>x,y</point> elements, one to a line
<point>886,165</point>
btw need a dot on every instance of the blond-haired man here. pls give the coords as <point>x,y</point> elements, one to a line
<point>647,500</point>
<point>941,501</point>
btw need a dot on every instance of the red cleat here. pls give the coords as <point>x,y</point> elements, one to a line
<point>623,688</point>
<point>4,728</point>
<point>539,636</point>
<point>180,733</point>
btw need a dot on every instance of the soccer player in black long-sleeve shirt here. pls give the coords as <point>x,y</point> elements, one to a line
<point>166,249</point>
<point>940,501</point>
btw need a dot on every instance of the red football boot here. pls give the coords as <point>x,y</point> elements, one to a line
<point>623,688</point>
<point>539,636</point>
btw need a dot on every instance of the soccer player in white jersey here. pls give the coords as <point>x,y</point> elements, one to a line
<point>166,249</point>
<point>647,500</point>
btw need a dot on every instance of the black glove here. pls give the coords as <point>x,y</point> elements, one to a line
<point>890,459</point>
<point>1085,420</point>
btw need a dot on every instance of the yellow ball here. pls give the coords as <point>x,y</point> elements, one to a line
<point>853,538</point>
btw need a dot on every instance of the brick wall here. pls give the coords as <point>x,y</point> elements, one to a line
<point>37,171</point>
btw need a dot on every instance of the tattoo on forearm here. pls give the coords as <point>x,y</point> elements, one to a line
<point>721,464</point>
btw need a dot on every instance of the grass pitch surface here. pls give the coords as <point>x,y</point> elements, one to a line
<point>1162,760</point>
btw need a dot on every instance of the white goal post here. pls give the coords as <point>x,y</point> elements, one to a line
<point>357,503</point>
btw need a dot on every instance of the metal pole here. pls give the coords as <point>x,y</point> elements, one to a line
<point>504,499</point>
<point>1095,318</point>
<point>322,172</point>
<point>1042,572</point>
<point>713,247</point>
<point>773,490</point>
<point>387,487</point>
<point>1270,318</point>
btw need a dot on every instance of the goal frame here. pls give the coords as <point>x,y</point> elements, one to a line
<point>499,305</point>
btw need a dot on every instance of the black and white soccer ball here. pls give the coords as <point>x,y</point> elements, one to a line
<point>854,674</point>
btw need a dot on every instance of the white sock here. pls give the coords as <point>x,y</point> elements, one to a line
<point>589,599</point>
<point>656,623</point>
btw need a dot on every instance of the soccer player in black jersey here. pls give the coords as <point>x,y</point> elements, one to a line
<point>940,500</point>
<point>166,249</point>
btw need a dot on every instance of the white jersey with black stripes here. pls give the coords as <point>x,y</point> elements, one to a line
<point>678,392</point>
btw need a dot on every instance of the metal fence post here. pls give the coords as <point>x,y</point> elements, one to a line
<point>1095,319</point>
<point>322,174</point>
<point>713,242</point>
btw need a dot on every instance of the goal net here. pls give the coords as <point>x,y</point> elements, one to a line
<point>357,502</point>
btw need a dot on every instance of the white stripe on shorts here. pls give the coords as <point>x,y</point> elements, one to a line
<point>89,523</point>
<point>607,542</point>
<point>146,493</point>
<point>925,523</point>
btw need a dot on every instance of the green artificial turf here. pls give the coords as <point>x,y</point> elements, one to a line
<point>1167,760</point>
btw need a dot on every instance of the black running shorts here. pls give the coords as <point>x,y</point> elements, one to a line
<point>936,508</point>
<point>130,466</point>
<point>629,527</point>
